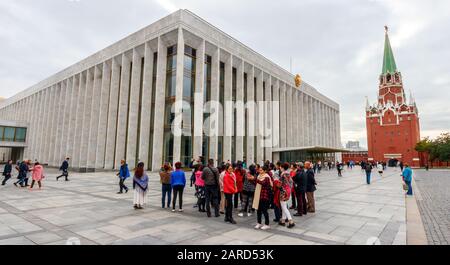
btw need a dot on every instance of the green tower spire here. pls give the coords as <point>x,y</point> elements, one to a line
<point>389,65</point>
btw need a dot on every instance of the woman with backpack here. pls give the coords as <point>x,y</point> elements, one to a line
<point>285,186</point>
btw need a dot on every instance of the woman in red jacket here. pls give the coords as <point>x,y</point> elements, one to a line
<point>229,188</point>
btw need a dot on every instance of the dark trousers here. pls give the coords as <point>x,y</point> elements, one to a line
<point>277,213</point>
<point>247,200</point>
<point>212,198</point>
<point>166,190</point>
<point>122,185</point>
<point>237,198</point>
<point>7,177</point>
<point>301,202</point>
<point>294,200</point>
<point>340,173</point>
<point>228,207</point>
<point>178,192</point>
<point>23,181</point>
<point>263,208</point>
<point>64,174</point>
<point>368,174</point>
<point>39,183</point>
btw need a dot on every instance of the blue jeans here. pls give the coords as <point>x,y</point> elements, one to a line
<point>166,189</point>
<point>409,188</point>
<point>368,174</point>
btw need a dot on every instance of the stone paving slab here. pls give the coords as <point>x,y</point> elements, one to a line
<point>87,207</point>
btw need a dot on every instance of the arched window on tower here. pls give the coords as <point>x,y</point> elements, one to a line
<point>397,78</point>
<point>388,78</point>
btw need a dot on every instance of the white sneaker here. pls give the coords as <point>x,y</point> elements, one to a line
<point>258,226</point>
<point>265,227</point>
<point>241,214</point>
<point>249,214</point>
<point>181,210</point>
<point>173,210</point>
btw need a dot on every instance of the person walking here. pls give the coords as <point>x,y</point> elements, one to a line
<point>37,175</point>
<point>123,174</point>
<point>23,169</point>
<point>210,176</point>
<point>380,169</point>
<point>7,170</point>
<point>140,186</point>
<point>407,178</point>
<point>200,189</point>
<point>368,169</point>
<point>178,182</point>
<point>285,186</point>
<point>300,181</point>
<point>65,170</point>
<point>248,192</point>
<point>340,167</point>
<point>166,186</point>
<point>310,188</point>
<point>229,189</point>
<point>262,198</point>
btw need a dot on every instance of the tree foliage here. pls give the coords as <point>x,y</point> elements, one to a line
<point>438,149</point>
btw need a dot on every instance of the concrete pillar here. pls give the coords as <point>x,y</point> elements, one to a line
<point>40,128</point>
<point>49,124</point>
<point>65,130</point>
<point>269,128</point>
<point>251,112</point>
<point>133,110</point>
<point>276,118</point>
<point>198,100</point>
<point>58,123</point>
<point>289,117</point>
<point>113,113</point>
<point>144,135</point>
<point>95,117</point>
<point>86,119</point>
<point>306,120</point>
<point>179,98</point>
<point>215,104</point>
<point>121,139</point>
<point>73,116</point>
<point>283,116</point>
<point>103,116</point>
<point>339,140</point>
<point>259,117</point>
<point>32,130</point>
<point>240,111</point>
<point>228,108</point>
<point>158,133</point>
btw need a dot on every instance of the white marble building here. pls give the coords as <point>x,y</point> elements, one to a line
<point>116,104</point>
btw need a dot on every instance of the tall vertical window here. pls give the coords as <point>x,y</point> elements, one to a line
<point>206,98</point>
<point>188,96</point>
<point>234,97</point>
<point>170,100</point>
<point>221,116</point>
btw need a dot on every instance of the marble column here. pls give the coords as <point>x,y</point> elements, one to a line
<point>56,125</point>
<point>198,100</point>
<point>228,108</point>
<point>259,117</point>
<point>215,105</point>
<point>121,138</point>
<point>276,116</point>
<point>240,111</point>
<point>95,117</point>
<point>250,105</point>
<point>146,102</point>
<point>133,110</point>
<point>85,130</point>
<point>102,134</point>
<point>283,116</point>
<point>178,128</point>
<point>268,116</point>
<point>113,109</point>
<point>73,115</point>
<point>67,102</point>
<point>158,132</point>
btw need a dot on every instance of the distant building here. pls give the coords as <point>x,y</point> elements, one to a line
<point>393,122</point>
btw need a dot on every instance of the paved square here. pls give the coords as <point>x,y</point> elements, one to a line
<point>88,208</point>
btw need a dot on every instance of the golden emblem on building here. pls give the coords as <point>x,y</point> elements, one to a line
<point>298,80</point>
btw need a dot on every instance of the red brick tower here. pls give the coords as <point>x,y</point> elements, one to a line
<point>392,123</point>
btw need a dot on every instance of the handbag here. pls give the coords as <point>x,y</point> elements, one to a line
<point>405,187</point>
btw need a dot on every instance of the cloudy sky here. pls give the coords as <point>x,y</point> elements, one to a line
<point>336,45</point>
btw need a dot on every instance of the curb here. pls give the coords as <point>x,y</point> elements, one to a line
<point>415,231</point>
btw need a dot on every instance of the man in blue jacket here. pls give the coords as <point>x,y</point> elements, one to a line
<point>7,172</point>
<point>65,170</point>
<point>123,174</point>
<point>407,178</point>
